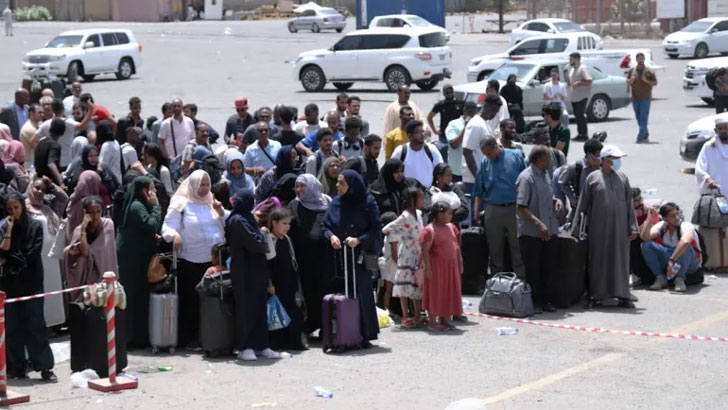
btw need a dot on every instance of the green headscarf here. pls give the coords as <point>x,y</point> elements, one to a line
<point>134,192</point>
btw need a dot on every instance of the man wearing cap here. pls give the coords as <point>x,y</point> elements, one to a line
<point>454,133</point>
<point>239,122</point>
<point>711,168</point>
<point>606,203</point>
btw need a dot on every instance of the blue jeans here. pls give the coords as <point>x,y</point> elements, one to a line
<point>642,112</point>
<point>657,256</point>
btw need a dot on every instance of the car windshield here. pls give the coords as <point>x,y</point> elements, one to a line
<point>65,41</point>
<point>697,26</point>
<point>328,11</point>
<point>419,21</point>
<point>522,72</point>
<point>567,27</point>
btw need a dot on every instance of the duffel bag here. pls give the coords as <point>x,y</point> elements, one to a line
<point>506,295</point>
<point>711,210</point>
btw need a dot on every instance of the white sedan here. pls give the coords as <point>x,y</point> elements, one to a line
<point>539,27</point>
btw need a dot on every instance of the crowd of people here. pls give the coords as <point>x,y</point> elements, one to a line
<point>84,193</point>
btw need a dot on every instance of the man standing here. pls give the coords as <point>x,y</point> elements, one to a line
<point>8,20</point>
<point>513,95</point>
<point>454,133</point>
<point>66,138</point>
<point>16,114</point>
<point>392,113</point>
<point>476,131</point>
<point>342,105</point>
<point>27,133</point>
<point>261,155</point>
<point>325,144</point>
<point>495,185</point>
<point>449,110</point>
<point>45,105</point>
<point>72,99</point>
<point>398,136</point>
<point>640,80</point>
<point>133,119</point>
<point>711,168</point>
<point>48,152</point>
<point>251,133</point>
<point>606,203</point>
<point>190,110</point>
<point>166,113</point>
<point>287,135</point>
<point>372,147</point>
<point>493,88</point>
<point>507,135</point>
<point>311,122</point>
<point>239,122</point>
<point>309,145</point>
<point>720,94</point>
<point>554,92</point>
<point>352,145</point>
<point>202,134</point>
<point>354,109</point>
<point>419,157</point>
<point>559,134</point>
<point>579,80</point>
<point>176,132</point>
<point>573,178</point>
<point>537,224</point>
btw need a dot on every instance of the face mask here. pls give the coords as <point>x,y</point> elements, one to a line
<point>617,164</point>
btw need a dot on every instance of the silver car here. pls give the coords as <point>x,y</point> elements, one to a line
<point>324,18</point>
<point>608,92</point>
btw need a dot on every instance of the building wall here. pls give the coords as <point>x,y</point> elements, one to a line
<point>97,10</point>
<point>137,10</point>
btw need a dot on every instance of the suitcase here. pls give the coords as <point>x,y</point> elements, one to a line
<point>88,339</point>
<point>163,316</point>
<point>217,327</point>
<point>475,260</point>
<point>340,324</point>
<point>716,247</point>
<point>567,276</point>
<point>506,295</point>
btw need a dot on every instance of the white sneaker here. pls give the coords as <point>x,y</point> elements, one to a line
<point>270,354</point>
<point>248,355</point>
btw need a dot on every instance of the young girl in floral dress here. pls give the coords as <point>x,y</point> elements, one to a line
<point>443,265</point>
<point>403,236</point>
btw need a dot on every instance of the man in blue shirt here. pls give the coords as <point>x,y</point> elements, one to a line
<point>261,154</point>
<point>15,115</point>
<point>495,185</point>
<point>309,145</point>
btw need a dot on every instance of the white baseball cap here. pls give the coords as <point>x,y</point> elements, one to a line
<point>611,151</point>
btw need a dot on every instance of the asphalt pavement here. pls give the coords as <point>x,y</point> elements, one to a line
<point>209,63</point>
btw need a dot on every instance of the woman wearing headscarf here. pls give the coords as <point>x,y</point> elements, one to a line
<point>194,223</point>
<point>442,189</point>
<point>285,189</point>
<point>77,147</point>
<point>330,171</point>
<point>90,253</point>
<point>48,212</point>
<point>110,151</point>
<point>135,246</point>
<point>250,273</point>
<point>89,183</point>
<point>14,159</point>
<point>20,251</point>
<point>235,178</point>
<point>307,213</point>
<point>285,162</point>
<point>389,188</point>
<point>89,161</point>
<point>352,220</point>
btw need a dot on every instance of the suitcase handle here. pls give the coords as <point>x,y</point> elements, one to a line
<point>346,271</point>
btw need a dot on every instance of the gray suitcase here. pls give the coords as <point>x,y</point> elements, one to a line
<point>716,247</point>
<point>217,327</point>
<point>163,316</point>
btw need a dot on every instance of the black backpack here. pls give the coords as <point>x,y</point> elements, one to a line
<point>403,154</point>
<point>712,74</point>
<point>211,165</point>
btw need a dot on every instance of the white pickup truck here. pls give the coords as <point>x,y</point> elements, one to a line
<point>610,62</point>
<point>694,77</point>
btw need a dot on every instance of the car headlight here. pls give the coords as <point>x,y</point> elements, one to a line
<point>475,63</point>
<point>56,58</point>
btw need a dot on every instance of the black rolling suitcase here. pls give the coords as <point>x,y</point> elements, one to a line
<point>567,279</point>
<point>217,325</point>
<point>88,339</point>
<point>475,260</point>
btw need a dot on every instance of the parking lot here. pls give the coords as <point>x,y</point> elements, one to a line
<point>209,63</point>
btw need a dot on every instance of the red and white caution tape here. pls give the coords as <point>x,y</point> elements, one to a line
<point>42,295</point>
<point>601,330</point>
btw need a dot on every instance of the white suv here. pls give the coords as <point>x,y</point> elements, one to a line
<point>86,53</point>
<point>394,56</point>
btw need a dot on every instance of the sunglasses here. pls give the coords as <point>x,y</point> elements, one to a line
<point>263,130</point>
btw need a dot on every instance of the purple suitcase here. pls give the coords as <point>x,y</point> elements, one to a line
<point>340,327</point>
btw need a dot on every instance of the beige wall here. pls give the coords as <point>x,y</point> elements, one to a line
<point>97,10</point>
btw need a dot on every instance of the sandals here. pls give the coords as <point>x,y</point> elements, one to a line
<point>409,323</point>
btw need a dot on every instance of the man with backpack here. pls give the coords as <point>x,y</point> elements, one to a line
<point>419,157</point>
<point>671,247</point>
<point>325,143</point>
<point>352,145</point>
<point>202,134</point>
<point>720,90</point>
<point>572,178</point>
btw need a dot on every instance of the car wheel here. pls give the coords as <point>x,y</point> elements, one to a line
<point>315,28</point>
<point>396,77</point>
<point>126,68</point>
<point>427,85</point>
<point>701,50</point>
<point>483,75</point>
<point>292,27</point>
<point>313,79</point>
<point>343,86</point>
<point>708,101</point>
<point>75,71</point>
<point>598,108</point>
<point>89,78</point>
<point>672,56</point>
<point>339,30</point>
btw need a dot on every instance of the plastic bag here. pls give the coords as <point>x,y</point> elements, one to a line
<point>384,319</point>
<point>277,316</point>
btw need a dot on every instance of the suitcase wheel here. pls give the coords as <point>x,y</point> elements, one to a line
<point>155,350</point>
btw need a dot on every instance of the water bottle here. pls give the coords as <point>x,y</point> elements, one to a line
<point>676,268</point>
<point>321,392</point>
<point>467,304</point>
<point>501,331</point>
<point>32,170</point>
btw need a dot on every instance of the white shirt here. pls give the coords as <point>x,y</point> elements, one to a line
<point>199,230</point>
<point>68,104</point>
<point>475,131</point>
<point>305,128</point>
<point>672,240</point>
<point>712,163</point>
<point>64,141</point>
<point>555,90</point>
<point>130,155</point>
<point>503,113</point>
<point>417,164</point>
<point>110,156</point>
<point>184,132</point>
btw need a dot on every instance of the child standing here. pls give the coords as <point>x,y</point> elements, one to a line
<point>443,265</point>
<point>387,266</point>
<point>403,236</point>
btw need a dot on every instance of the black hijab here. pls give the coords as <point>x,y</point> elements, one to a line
<point>242,212</point>
<point>386,175</point>
<point>283,162</point>
<point>85,165</point>
<point>285,189</point>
